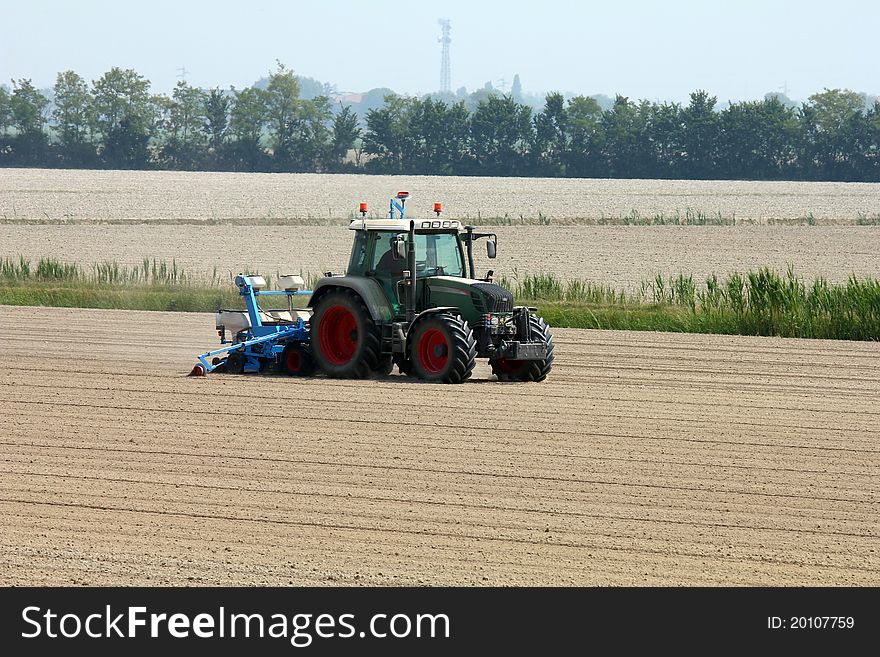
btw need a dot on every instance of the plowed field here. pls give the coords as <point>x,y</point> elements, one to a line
<point>286,223</point>
<point>646,458</point>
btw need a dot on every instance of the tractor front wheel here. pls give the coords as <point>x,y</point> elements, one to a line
<point>527,370</point>
<point>344,338</point>
<point>442,349</point>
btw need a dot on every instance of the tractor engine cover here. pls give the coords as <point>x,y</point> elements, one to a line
<point>495,299</point>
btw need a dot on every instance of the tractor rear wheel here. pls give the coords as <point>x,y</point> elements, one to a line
<point>442,349</point>
<point>527,370</point>
<point>296,360</point>
<point>345,340</point>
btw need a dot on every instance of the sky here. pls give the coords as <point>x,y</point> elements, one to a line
<point>735,50</point>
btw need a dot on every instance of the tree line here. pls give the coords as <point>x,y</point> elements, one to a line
<point>116,122</point>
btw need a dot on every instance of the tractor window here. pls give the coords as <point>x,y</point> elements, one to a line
<point>383,260</point>
<point>358,252</point>
<point>438,254</point>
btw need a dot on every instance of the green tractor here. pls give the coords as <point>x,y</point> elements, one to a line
<point>411,298</point>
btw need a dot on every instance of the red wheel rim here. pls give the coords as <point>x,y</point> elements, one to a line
<point>337,335</point>
<point>294,360</point>
<point>433,351</point>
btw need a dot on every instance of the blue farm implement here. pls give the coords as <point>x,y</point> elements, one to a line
<point>262,340</point>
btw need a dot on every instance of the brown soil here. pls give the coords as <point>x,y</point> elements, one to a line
<point>646,458</point>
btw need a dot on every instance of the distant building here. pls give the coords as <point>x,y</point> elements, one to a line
<point>348,98</point>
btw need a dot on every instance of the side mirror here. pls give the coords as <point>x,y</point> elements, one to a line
<point>398,249</point>
<point>491,248</point>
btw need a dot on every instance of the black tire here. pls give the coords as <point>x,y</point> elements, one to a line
<point>297,360</point>
<point>345,340</point>
<point>235,362</point>
<point>528,370</point>
<point>442,349</point>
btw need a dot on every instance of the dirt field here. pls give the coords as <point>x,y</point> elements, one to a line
<point>97,216</point>
<point>620,256</point>
<point>57,196</point>
<point>646,458</point>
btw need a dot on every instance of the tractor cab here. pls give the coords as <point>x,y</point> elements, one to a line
<point>380,252</point>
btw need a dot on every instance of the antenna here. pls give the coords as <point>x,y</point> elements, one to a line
<point>445,72</point>
<point>784,88</point>
<point>182,72</point>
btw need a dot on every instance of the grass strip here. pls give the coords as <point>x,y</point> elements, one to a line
<point>762,302</point>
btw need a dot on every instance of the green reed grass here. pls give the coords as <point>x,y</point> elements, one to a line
<point>761,302</point>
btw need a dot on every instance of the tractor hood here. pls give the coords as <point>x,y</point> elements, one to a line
<point>477,296</point>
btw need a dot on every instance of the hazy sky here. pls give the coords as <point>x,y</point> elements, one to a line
<point>739,49</point>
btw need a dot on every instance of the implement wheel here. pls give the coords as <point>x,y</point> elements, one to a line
<point>344,338</point>
<point>442,349</point>
<point>235,363</point>
<point>527,370</point>
<point>296,360</point>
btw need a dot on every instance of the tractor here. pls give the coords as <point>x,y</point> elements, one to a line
<point>411,297</point>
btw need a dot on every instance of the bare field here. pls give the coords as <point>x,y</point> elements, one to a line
<point>295,222</point>
<point>620,256</point>
<point>646,458</point>
<point>71,196</point>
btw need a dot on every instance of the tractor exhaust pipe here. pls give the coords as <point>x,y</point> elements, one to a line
<point>470,249</point>
<point>411,265</point>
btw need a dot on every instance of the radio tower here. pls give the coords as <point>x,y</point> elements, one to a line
<point>445,74</point>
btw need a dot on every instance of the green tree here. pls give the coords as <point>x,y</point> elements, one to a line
<point>216,108</point>
<point>871,170</point>
<point>832,127</point>
<point>550,137</point>
<point>74,116</point>
<point>247,119</point>
<point>184,126</point>
<point>626,148</point>
<point>757,140</point>
<point>441,134</point>
<point>501,131</point>
<point>310,137</point>
<point>5,110</point>
<point>126,117</point>
<point>389,137</point>
<point>27,108</point>
<point>583,156</point>
<point>701,125</point>
<point>282,109</point>
<point>346,132</point>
